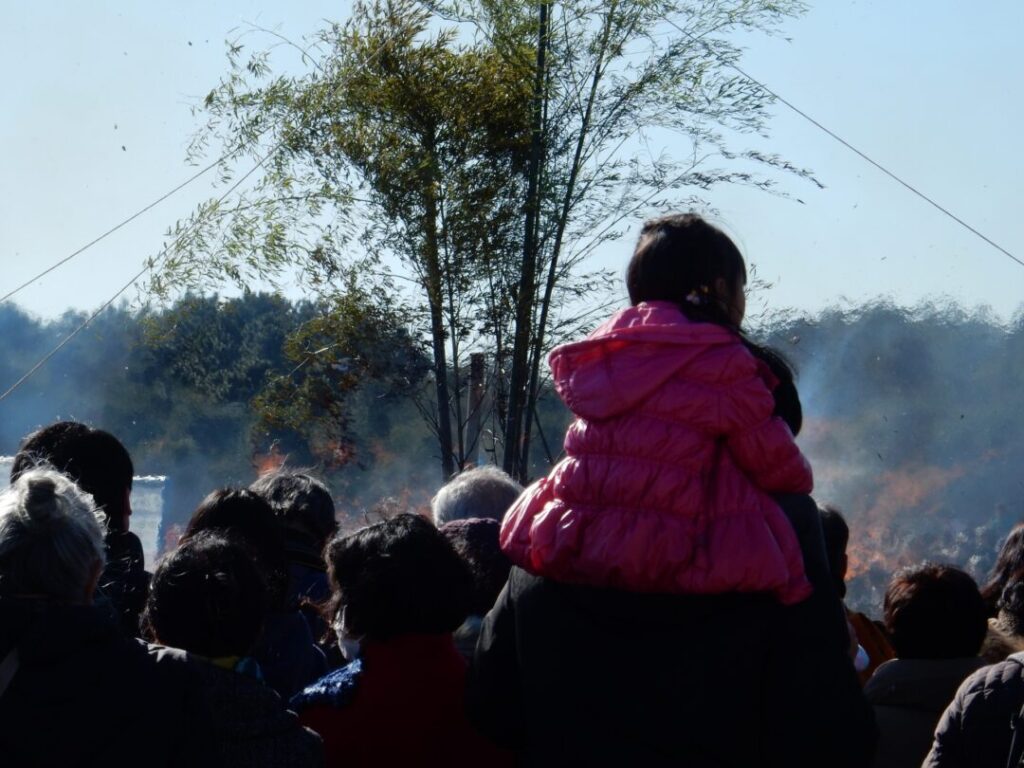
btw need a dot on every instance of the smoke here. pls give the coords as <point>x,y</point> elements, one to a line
<point>911,420</point>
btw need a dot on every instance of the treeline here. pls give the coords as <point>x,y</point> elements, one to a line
<point>911,417</point>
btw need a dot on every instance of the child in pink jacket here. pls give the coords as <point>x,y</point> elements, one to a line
<point>674,455</point>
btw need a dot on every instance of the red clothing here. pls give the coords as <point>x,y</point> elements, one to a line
<point>403,707</point>
<point>668,469</point>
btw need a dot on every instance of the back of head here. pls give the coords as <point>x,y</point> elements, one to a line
<point>1011,604</point>
<point>479,492</point>
<point>476,541</point>
<point>51,538</point>
<point>246,519</point>
<point>207,597</point>
<point>94,459</point>
<point>934,612</point>
<point>785,394</point>
<point>1009,561</point>
<point>837,537</point>
<point>301,501</point>
<point>398,577</point>
<point>679,258</point>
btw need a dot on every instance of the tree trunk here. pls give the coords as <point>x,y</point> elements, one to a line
<point>519,375</point>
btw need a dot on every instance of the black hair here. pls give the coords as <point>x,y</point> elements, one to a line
<point>207,597</point>
<point>934,612</point>
<point>785,394</point>
<point>1011,603</point>
<point>1010,560</point>
<point>96,460</point>
<point>837,537</point>
<point>246,518</point>
<point>397,577</point>
<point>476,541</point>
<point>300,500</point>
<point>678,258</point>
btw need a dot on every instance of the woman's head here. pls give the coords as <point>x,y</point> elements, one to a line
<point>208,597</point>
<point>682,259</point>
<point>246,519</point>
<point>934,612</point>
<point>397,577</point>
<point>51,539</point>
<point>1010,560</point>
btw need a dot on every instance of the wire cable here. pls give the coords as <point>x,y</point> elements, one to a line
<point>907,185</point>
<point>150,264</point>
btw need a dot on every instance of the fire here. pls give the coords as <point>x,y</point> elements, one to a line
<point>271,461</point>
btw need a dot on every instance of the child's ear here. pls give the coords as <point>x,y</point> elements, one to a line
<point>722,290</point>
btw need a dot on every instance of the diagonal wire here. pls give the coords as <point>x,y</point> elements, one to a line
<point>907,185</point>
<point>150,264</point>
<point>114,229</point>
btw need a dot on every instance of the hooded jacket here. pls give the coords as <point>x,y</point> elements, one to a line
<point>909,696</point>
<point>668,469</point>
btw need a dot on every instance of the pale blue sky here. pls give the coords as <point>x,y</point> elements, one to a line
<point>930,89</point>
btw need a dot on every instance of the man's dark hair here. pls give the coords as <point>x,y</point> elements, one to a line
<point>301,501</point>
<point>245,518</point>
<point>397,577</point>
<point>96,460</point>
<point>837,538</point>
<point>208,597</point>
<point>934,612</point>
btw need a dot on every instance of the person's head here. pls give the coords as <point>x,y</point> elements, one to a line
<point>397,577</point>
<point>934,612</point>
<point>1011,604</point>
<point>94,459</point>
<point>1010,560</point>
<point>51,539</point>
<point>837,537</point>
<point>683,259</point>
<point>476,541</point>
<point>301,501</point>
<point>479,492</point>
<point>246,519</point>
<point>785,393</point>
<point>207,597</point>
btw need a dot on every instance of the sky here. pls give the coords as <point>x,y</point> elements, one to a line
<point>97,115</point>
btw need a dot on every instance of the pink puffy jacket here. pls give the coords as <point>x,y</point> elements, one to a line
<point>668,469</point>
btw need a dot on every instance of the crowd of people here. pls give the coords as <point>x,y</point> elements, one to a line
<point>669,594</point>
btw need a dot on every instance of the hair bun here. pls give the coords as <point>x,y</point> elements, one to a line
<point>40,499</point>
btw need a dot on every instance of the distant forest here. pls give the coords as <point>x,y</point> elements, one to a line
<point>911,417</point>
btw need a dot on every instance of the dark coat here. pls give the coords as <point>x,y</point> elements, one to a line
<point>571,675</point>
<point>251,726</point>
<point>402,703</point>
<point>976,729</point>
<point>85,695</point>
<point>288,654</point>
<point>909,696</point>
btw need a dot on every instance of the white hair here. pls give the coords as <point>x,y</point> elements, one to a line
<point>479,492</point>
<point>51,537</point>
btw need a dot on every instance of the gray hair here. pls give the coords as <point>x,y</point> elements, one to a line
<point>480,492</point>
<point>51,537</point>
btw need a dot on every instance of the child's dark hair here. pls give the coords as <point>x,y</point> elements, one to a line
<point>679,258</point>
<point>246,519</point>
<point>397,577</point>
<point>1010,560</point>
<point>208,597</point>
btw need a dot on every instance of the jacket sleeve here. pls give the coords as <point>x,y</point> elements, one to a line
<point>762,444</point>
<point>948,748</point>
<point>493,695</point>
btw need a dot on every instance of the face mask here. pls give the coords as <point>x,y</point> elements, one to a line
<point>350,647</point>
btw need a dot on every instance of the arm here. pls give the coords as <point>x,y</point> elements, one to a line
<point>947,748</point>
<point>493,699</point>
<point>762,444</point>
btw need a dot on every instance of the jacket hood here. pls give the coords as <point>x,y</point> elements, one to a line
<point>630,356</point>
<point>920,684</point>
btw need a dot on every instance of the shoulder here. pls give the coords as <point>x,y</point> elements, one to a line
<point>333,690</point>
